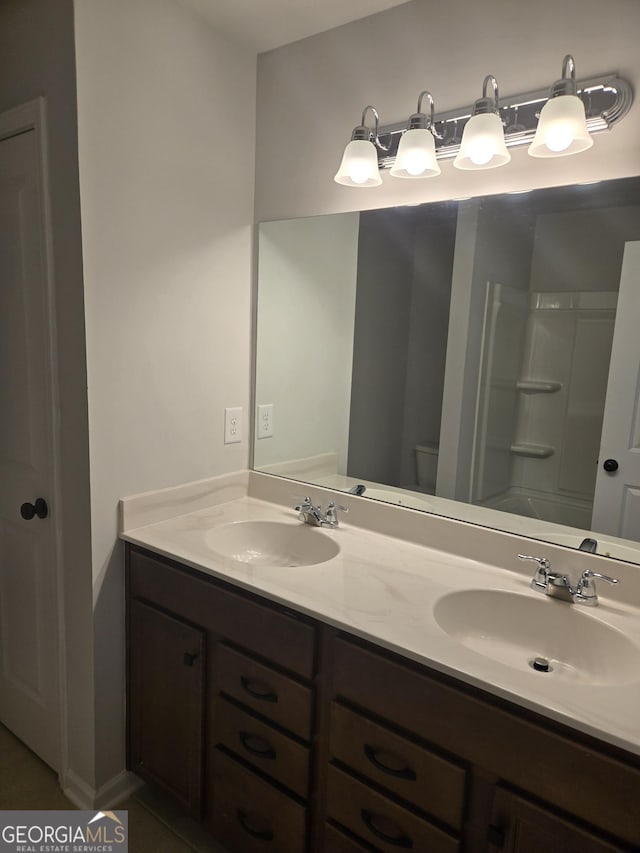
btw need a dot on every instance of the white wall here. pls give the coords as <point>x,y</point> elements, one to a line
<point>37,59</point>
<point>311,94</point>
<point>167,230</point>
<point>306,306</point>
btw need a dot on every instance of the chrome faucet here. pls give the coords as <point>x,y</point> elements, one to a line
<point>309,513</point>
<point>358,489</point>
<point>557,585</point>
<point>586,591</point>
<point>589,545</point>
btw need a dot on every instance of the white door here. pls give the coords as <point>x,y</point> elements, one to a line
<point>616,507</point>
<point>29,669</point>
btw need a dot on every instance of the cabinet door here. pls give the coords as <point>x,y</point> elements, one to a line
<point>166,703</point>
<point>520,826</point>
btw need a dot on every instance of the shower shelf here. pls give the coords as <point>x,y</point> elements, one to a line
<point>538,386</point>
<point>533,451</point>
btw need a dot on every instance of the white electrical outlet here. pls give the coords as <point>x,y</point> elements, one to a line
<point>233,425</point>
<point>265,420</point>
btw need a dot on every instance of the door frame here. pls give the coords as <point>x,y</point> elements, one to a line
<point>606,492</point>
<point>32,116</point>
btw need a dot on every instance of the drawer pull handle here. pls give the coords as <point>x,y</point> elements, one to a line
<point>401,773</point>
<point>189,658</point>
<point>261,834</point>
<point>399,840</point>
<point>258,689</point>
<point>256,745</point>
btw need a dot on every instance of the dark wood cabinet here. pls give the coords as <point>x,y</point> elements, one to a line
<point>404,768</point>
<point>381,820</point>
<point>266,691</point>
<point>284,734</point>
<point>221,703</point>
<point>249,814</point>
<point>167,701</point>
<point>521,826</point>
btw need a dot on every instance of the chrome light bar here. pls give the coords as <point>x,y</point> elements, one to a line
<point>606,99</point>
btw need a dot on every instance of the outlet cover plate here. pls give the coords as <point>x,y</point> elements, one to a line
<point>233,425</point>
<point>265,420</point>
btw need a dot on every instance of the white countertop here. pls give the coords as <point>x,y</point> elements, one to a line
<point>383,589</point>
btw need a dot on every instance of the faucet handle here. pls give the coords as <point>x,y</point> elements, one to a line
<point>540,579</point>
<point>304,508</point>
<point>586,591</point>
<point>331,515</point>
<point>589,574</point>
<point>542,562</point>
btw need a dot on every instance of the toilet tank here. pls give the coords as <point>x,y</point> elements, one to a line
<point>427,465</point>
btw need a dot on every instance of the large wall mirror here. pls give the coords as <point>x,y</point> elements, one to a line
<point>478,359</point>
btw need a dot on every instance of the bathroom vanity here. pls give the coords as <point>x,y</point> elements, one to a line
<point>318,706</point>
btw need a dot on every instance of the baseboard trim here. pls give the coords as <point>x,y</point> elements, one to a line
<point>117,789</point>
<point>76,789</point>
<point>107,796</point>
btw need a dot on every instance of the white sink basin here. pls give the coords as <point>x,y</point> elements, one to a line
<point>272,543</point>
<point>513,629</point>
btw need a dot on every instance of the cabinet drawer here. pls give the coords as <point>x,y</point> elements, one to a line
<point>261,628</point>
<point>430,782</point>
<point>337,842</point>
<point>390,689</point>
<point>539,760</point>
<point>380,821</point>
<point>270,693</point>
<point>250,815</point>
<point>274,753</point>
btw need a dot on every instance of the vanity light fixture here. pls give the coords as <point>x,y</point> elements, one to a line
<point>483,145</point>
<point>562,127</point>
<point>575,109</point>
<point>359,166</point>
<point>416,157</point>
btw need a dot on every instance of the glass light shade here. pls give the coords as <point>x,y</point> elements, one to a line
<point>483,145</point>
<point>359,166</point>
<point>562,128</point>
<point>416,157</point>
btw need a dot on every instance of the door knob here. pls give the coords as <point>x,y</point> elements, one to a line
<point>39,508</point>
<point>610,465</point>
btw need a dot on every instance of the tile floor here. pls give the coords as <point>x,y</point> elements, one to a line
<point>154,825</point>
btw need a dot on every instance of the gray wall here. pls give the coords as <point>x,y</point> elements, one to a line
<point>402,309</point>
<point>428,329</point>
<point>383,304</point>
<point>582,250</point>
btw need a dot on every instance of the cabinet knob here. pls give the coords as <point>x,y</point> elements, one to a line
<point>610,465</point>
<point>189,658</point>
